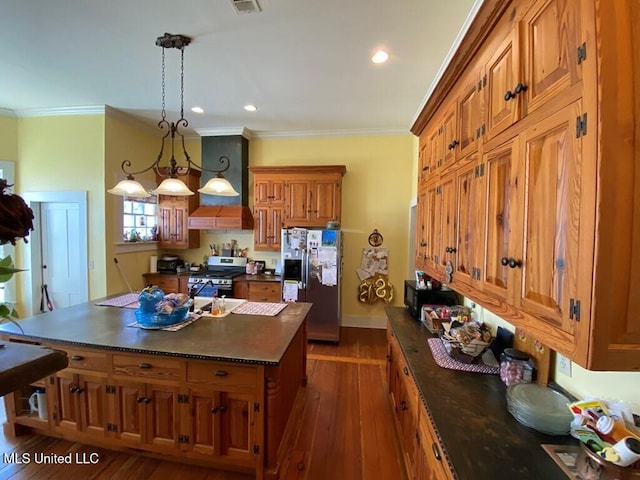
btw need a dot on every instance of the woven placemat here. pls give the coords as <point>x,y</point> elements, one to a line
<point>260,308</point>
<point>128,300</point>
<point>444,360</point>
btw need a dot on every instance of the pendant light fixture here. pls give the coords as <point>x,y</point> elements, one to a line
<point>172,185</point>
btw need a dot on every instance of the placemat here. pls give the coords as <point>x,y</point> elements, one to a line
<point>128,300</point>
<point>444,360</point>
<point>260,308</point>
<point>170,328</point>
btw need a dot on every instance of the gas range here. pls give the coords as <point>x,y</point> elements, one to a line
<point>219,271</point>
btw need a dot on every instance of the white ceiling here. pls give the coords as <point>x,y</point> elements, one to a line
<point>304,63</point>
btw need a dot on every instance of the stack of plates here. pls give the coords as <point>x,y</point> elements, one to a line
<point>540,408</point>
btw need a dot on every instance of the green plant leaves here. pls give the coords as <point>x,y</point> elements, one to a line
<point>7,269</point>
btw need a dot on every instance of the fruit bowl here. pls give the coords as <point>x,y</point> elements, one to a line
<point>157,319</point>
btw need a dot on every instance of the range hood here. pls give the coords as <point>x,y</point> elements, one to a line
<point>219,212</point>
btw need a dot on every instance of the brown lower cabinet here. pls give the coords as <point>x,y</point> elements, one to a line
<point>423,457</point>
<point>168,283</point>
<point>206,411</point>
<point>258,291</point>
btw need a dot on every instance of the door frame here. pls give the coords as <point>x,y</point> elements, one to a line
<point>32,252</point>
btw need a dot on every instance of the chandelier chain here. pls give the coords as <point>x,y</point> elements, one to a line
<point>164,115</point>
<point>182,83</point>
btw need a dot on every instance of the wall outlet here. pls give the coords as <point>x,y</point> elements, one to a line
<point>564,364</point>
<point>274,261</point>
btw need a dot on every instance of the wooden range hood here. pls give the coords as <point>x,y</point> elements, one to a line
<point>221,217</point>
<point>221,212</point>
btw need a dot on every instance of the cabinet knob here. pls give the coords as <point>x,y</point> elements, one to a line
<point>140,399</point>
<point>145,366</point>
<point>513,263</point>
<point>504,261</point>
<point>405,371</point>
<point>403,405</point>
<point>508,96</point>
<point>147,400</point>
<point>223,409</point>
<point>214,410</point>
<point>73,389</point>
<point>77,358</point>
<point>520,87</point>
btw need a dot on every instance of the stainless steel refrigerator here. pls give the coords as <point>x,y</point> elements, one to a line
<point>311,272</point>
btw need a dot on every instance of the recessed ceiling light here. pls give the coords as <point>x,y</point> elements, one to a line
<point>197,110</point>
<point>250,108</point>
<point>380,57</point>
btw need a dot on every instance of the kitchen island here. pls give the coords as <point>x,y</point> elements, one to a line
<point>217,392</point>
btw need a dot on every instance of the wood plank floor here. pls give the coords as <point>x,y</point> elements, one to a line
<point>345,430</point>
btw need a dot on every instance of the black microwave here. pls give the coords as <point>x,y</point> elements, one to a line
<point>414,298</point>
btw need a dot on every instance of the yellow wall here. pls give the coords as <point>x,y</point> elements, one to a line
<point>8,138</point>
<point>376,194</point>
<point>66,153</point>
<point>125,141</point>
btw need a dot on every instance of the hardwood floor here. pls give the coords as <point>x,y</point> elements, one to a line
<point>345,429</point>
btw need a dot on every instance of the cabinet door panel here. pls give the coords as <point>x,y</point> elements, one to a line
<point>68,406</point>
<point>275,225</point>
<point>205,418</point>
<point>298,208</point>
<point>470,237</point>
<point>503,193</point>
<point>552,32</point>
<point>236,423</point>
<point>503,74</point>
<point>325,201</point>
<point>450,140</point>
<point>470,117</point>
<point>421,229</point>
<point>93,404</point>
<point>130,412</point>
<point>448,225</point>
<point>261,227</point>
<point>162,415</point>
<point>434,232</point>
<point>553,162</point>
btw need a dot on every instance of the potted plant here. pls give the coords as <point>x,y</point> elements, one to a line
<point>17,222</point>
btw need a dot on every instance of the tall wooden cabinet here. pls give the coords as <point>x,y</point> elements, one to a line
<point>294,196</point>
<point>542,204</point>
<point>173,213</point>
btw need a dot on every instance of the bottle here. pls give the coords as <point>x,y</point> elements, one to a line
<point>222,306</point>
<point>612,429</point>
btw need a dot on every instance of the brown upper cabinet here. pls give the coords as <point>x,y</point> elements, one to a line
<point>173,213</point>
<point>294,196</point>
<point>537,215</point>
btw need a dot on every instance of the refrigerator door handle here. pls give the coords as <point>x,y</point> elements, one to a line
<point>305,268</point>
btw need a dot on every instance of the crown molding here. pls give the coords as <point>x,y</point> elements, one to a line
<point>130,119</point>
<point>6,112</point>
<point>59,111</point>
<point>223,132</point>
<point>363,132</point>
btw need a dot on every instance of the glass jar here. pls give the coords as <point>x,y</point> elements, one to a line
<point>515,367</point>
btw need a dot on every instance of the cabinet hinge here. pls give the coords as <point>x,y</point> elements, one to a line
<point>256,407</point>
<point>183,439</point>
<point>481,170</point>
<point>574,309</point>
<point>582,53</point>
<point>112,427</point>
<point>183,398</point>
<point>581,125</point>
<point>110,389</point>
<point>52,380</point>
<point>256,449</point>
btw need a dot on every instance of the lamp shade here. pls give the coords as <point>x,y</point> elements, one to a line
<point>219,186</point>
<point>129,188</point>
<point>172,186</point>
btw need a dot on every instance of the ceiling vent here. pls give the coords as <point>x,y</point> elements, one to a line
<point>246,6</point>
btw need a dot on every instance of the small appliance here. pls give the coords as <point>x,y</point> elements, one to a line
<point>415,297</point>
<point>169,264</point>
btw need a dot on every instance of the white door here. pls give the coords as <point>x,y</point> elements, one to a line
<point>8,289</point>
<point>58,250</point>
<point>61,266</point>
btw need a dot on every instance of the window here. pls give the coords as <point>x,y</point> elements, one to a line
<point>139,220</point>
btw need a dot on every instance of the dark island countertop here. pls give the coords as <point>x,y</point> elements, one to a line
<point>482,441</point>
<point>254,339</point>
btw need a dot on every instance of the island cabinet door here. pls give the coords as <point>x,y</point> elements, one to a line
<point>201,422</point>
<point>237,426</point>
<point>81,403</point>
<point>162,416</point>
<point>127,412</point>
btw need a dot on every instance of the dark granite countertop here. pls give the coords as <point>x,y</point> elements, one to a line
<point>255,339</point>
<point>257,278</point>
<point>481,439</point>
